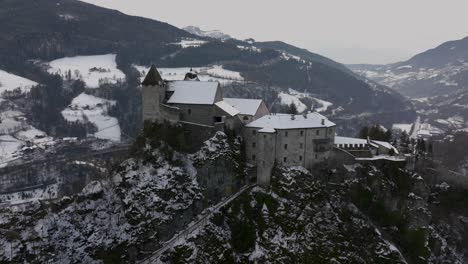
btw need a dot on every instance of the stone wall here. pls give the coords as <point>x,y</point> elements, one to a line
<point>169,113</point>
<point>218,179</point>
<point>199,114</point>
<point>266,158</point>
<point>151,99</point>
<point>197,134</point>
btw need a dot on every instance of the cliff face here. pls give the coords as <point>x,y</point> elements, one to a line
<point>383,215</point>
<point>144,203</point>
<point>371,214</point>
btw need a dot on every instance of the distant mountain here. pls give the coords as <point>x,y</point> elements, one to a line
<point>439,71</point>
<point>436,80</point>
<point>216,34</point>
<point>43,29</point>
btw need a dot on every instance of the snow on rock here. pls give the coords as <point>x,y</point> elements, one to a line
<point>93,187</point>
<point>147,205</point>
<point>295,220</point>
<point>93,70</point>
<point>9,82</point>
<point>87,107</point>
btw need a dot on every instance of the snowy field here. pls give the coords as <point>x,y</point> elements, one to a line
<point>10,82</point>
<point>293,96</point>
<point>94,109</point>
<point>9,149</point>
<point>209,73</point>
<point>93,70</point>
<point>13,146</point>
<point>193,43</point>
<point>12,121</point>
<point>288,99</point>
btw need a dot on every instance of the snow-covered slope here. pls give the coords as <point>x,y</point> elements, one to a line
<point>190,43</point>
<point>298,99</point>
<point>208,73</point>
<point>418,82</point>
<point>93,70</point>
<point>9,82</point>
<point>88,108</point>
<point>437,71</point>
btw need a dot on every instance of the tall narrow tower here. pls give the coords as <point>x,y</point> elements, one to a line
<point>152,95</point>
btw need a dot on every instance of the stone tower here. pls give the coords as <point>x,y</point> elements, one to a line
<point>153,93</point>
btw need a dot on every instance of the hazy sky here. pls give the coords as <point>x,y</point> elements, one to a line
<point>349,31</point>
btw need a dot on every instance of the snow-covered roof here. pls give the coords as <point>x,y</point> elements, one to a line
<point>348,140</point>
<point>403,127</point>
<point>286,121</point>
<point>245,106</point>
<point>386,145</point>
<point>267,130</point>
<point>192,92</point>
<point>227,108</point>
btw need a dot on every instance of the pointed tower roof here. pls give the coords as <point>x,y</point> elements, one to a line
<point>153,77</point>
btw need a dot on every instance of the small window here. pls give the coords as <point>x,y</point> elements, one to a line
<point>245,118</point>
<point>301,146</point>
<point>285,159</point>
<point>263,163</point>
<point>286,133</point>
<point>302,133</point>
<point>316,156</point>
<point>264,136</point>
<point>300,158</point>
<point>254,132</point>
<point>253,157</point>
<point>285,146</point>
<point>317,132</point>
<point>189,111</point>
<point>254,145</point>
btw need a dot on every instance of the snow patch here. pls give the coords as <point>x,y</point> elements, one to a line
<point>190,43</point>
<point>9,82</point>
<point>93,70</point>
<point>87,107</point>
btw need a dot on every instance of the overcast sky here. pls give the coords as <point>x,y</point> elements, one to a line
<point>349,31</point>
